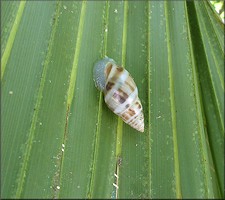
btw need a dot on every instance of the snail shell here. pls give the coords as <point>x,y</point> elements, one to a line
<point>120,92</point>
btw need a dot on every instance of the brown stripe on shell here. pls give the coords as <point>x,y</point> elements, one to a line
<point>130,85</point>
<point>109,86</point>
<point>131,112</point>
<point>119,69</point>
<point>137,122</point>
<point>117,74</point>
<point>108,69</point>
<point>133,121</point>
<point>125,117</point>
<point>138,104</point>
<point>120,95</point>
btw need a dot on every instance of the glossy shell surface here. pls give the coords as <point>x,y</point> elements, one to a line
<point>120,92</point>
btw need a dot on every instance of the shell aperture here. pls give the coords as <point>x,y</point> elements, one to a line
<point>120,92</point>
<point>99,72</point>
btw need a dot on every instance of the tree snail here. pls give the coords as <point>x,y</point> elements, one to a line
<point>120,92</point>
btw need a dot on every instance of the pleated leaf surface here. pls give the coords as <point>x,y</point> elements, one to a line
<point>58,137</point>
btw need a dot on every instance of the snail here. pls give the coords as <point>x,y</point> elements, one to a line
<point>120,92</point>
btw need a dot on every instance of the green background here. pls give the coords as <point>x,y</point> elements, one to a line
<point>59,139</point>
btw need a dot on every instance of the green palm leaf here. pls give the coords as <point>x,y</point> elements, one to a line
<point>59,139</point>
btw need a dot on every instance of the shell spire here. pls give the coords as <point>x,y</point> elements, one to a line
<point>120,92</point>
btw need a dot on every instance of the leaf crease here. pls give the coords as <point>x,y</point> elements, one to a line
<point>99,114</point>
<point>22,172</point>
<point>12,36</point>
<point>173,105</point>
<point>149,104</point>
<point>120,122</point>
<point>73,77</point>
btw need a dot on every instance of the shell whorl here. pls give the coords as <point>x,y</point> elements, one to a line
<point>120,91</point>
<point>99,73</point>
